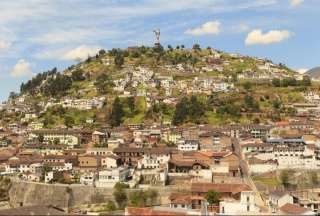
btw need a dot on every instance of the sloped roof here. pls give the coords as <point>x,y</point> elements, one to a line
<point>293,209</point>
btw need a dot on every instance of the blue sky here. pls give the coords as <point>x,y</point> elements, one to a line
<point>37,35</point>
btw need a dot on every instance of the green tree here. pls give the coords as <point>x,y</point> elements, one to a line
<point>111,206</point>
<point>102,52</point>
<point>104,84</point>
<point>197,109</point>
<point>120,195</point>
<point>276,82</point>
<point>151,196</point>
<point>247,86</point>
<point>182,111</point>
<point>284,178</point>
<point>119,60</point>
<point>212,197</point>
<point>69,121</point>
<point>250,103</point>
<point>131,104</point>
<point>57,86</point>
<point>78,75</point>
<point>56,141</point>
<point>196,47</point>
<point>137,199</point>
<point>13,95</point>
<point>306,81</point>
<point>277,104</point>
<point>45,169</point>
<point>41,138</point>
<point>117,113</point>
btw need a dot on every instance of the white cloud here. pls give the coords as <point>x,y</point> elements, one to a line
<point>4,44</point>
<point>79,53</point>
<point>21,69</point>
<point>274,36</point>
<point>302,70</point>
<point>295,3</point>
<point>212,27</point>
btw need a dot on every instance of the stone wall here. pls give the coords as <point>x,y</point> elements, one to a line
<point>63,196</point>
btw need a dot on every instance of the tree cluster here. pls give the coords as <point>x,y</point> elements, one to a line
<point>57,86</point>
<point>290,81</point>
<point>120,195</point>
<point>189,109</point>
<point>32,85</point>
<point>104,84</point>
<point>143,198</point>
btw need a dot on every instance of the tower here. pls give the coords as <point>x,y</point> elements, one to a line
<point>157,37</point>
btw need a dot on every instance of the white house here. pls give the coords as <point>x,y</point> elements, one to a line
<point>109,177</point>
<point>110,161</point>
<point>69,138</point>
<point>87,179</point>
<point>244,206</point>
<point>188,145</point>
<point>277,199</point>
<point>154,158</point>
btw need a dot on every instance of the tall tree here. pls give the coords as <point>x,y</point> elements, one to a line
<point>182,111</point>
<point>117,113</point>
<point>104,84</point>
<point>119,60</point>
<point>212,197</point>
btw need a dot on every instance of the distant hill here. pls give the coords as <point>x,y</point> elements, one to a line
<point>314,73</point>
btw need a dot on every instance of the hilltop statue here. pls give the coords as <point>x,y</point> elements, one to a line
<point>157,39</point>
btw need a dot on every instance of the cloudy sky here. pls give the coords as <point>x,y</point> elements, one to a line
<point>37,35</point>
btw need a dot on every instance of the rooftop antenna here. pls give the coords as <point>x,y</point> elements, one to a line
<point>157,37</point>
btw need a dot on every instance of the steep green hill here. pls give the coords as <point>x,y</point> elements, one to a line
<point>248,89</point>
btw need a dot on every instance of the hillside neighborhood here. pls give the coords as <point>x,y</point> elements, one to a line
<point>223,134</point>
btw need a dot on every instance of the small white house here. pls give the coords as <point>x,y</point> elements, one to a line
<point>109,177</point>
<point>277,199</point>
<point>244,206</point>
<point>110,161</point>
<point>188,145</point>
<point>87,179</point>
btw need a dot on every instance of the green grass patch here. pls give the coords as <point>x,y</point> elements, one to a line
<point>270,181</point>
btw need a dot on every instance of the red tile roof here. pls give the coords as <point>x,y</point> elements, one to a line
<point>293,209</point>
<point>184,198</point>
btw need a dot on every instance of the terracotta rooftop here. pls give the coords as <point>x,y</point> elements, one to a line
<point>293,209</point>
<point>214,154</point>
<point>177,198</point>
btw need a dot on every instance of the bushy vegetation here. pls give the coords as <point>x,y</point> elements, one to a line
<point>32,85</point>
<point>291,81</point>
<point>189,110</point>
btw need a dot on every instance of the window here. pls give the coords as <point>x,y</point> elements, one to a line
<point>248,198</point>
<point>248,208</point>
